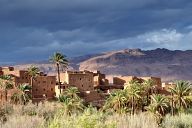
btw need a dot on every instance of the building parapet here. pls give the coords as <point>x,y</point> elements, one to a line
<point>124,80</point>
<point>78,72</point>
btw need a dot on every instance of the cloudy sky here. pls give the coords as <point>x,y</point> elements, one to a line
<point>34,29</point>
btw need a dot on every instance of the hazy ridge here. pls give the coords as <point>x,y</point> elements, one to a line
<point>170,65</point>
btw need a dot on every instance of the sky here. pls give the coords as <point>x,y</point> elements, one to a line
<point>35,29</point>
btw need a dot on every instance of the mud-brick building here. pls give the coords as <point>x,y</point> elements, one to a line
<point>124,80</point>
<point>43,87</point>
<point>168,85</point>
<point>18,76</point>
<point>63,86</point>
<point>157,80</point>
<point>99,79</point>
<point>5,96</point>
<point>166,88</point>
<point>83,80</point>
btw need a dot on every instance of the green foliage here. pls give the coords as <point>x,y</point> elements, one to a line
<point>178,121</point>
<point>60,59</point>
<point>148,85</point>
<point>159,104</point>
<point>117,101</point>
<point>71,101</point>
<point>134,97</point>
<point>33,71</point>
<point>22,96</point>
<point>61,62</point>
<point>90,118</point>
<point>180,93</point>
<point>5,77</point>
<point>25,87</point>
<point>71,113</point>
<point>135,91</point>
<point>6,82</point>
<point>189,110</point>
<point>51,115</point>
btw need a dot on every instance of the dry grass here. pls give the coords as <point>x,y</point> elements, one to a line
<point>30,115</point>
<point>142,120</point>
<point>23,122</point>
<point>96,119</point>
<point>178,121</point>
<point>52,115</point>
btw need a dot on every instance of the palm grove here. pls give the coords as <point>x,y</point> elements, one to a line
<point>136,97</point>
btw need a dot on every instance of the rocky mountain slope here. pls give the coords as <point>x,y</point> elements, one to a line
<point>170,65</point>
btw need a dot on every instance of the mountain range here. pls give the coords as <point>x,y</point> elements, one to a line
<point>167,64</point>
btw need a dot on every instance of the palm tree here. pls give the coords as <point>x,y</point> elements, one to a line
<point>33,72</point>
<point>180,91</point>
<point>72,92</point>
<point>5,77</point>
<point>60,60</point>
<point>135,91</point>
<point>6,83</point>
<point>158,107</point>
<point>72,102</point>
<point>117,101</point>
<point>25,89</point>
<point>23,95</point>
<point>172,104</point>
<point>159,104</point>
<point>148,87</point>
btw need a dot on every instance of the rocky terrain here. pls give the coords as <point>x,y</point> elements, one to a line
<point>170,65</point>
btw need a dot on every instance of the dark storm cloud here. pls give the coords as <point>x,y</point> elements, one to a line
<point>33,29</point>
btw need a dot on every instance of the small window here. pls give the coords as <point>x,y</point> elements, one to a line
<point>51,89</point>
<point>36,89</point>
<point>82,85</point>
<point>51,82</point>
<point>79,78</point>
<point>44,89</point>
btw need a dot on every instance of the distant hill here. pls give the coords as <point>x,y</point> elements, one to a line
<point>170,65</point>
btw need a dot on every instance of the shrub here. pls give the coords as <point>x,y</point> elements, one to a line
<point>30,109</point>
<point>25,121</point>
<point>90,118</point>
<point>47,110</point>
<point>54,115</point>
<point>5,110</point>
<point>178,121</point>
